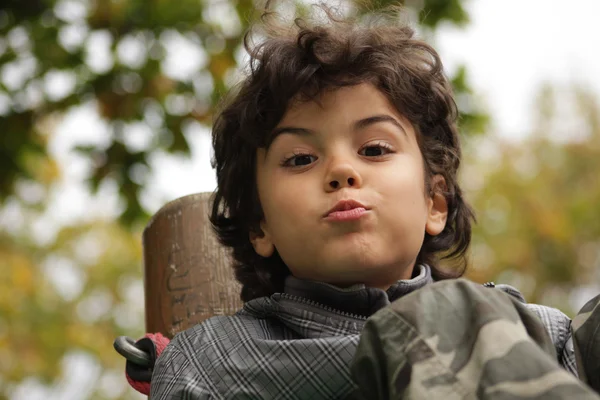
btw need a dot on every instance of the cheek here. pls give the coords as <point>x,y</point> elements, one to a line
<point>405,198</point>
<point>292,190</point>
<point>407,184</point>
<point>285,202</point>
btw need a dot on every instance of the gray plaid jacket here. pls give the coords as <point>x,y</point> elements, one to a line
<point>296,345</point>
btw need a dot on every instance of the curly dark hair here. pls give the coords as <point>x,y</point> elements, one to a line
<point>300,62</point>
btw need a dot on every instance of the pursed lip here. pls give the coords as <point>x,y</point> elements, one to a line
<point>345,205</point>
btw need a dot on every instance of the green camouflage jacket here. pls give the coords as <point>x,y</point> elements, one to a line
<point>458,340</point>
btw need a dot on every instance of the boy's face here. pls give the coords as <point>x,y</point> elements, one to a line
<point>352,146</point>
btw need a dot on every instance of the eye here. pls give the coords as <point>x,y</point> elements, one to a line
<point>299,160</point>
<point>375,150</point>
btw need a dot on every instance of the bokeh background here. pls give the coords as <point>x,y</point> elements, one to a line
<point>105,112</point>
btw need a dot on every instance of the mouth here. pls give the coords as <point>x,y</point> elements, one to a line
<point>345,210</point>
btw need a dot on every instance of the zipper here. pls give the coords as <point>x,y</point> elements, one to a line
<point>328,310</point>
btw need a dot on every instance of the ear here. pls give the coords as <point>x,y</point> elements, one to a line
<point>261,241</point>
<point>437,210</point>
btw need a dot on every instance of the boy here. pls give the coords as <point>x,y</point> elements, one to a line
<point>337,193</point>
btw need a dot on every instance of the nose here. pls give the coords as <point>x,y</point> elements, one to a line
<point>342,174</point>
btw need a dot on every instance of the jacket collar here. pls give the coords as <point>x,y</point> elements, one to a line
<point>356,299</point>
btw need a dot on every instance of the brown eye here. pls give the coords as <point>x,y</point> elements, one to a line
<point>299,160</point>
<point>304,159</point>
<point>375,150</point>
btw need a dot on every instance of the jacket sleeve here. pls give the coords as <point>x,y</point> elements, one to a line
<point>558,326</point>
<point>176,375</point>
<point>586,339</point>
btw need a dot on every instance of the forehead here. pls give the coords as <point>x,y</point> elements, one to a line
<point>341,104</point>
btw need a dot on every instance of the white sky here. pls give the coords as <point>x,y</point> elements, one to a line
<point>511,46</point>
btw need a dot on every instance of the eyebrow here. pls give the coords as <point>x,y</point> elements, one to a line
<point>375,119</point>
<point>358,125</point>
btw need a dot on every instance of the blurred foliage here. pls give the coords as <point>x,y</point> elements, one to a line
<point>432,13</point>
<point>74,295</point>
<point>537,203</point>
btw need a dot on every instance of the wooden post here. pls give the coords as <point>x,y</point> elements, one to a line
<point>187,273</point>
